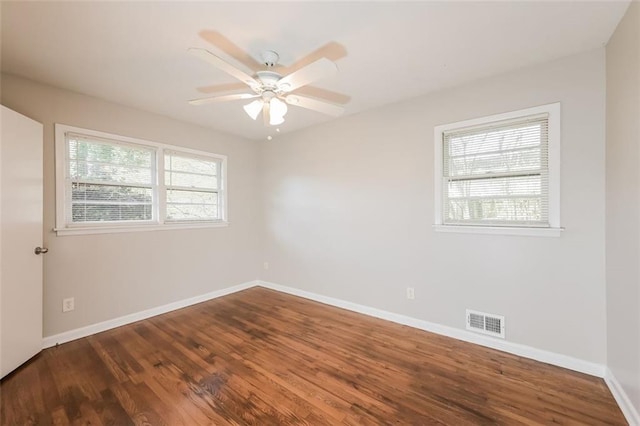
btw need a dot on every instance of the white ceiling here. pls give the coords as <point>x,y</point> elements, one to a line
<point>135,53</point>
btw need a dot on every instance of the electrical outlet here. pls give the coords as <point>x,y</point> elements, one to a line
<point>265,265</point>
<point>411,293</point>
<point>68,305</point>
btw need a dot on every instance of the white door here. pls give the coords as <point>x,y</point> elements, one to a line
<point>20,234</point>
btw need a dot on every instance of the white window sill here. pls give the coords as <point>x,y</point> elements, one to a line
<point>111,229</point>
<point>500,230</point>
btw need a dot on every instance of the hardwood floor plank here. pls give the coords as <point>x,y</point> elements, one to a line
<point>59,417</point>
<point>259,357</point>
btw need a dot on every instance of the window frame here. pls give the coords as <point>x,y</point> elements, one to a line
<point>554,132</point>
<point>158,222</point>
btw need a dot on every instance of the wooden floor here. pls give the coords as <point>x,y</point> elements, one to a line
<point>266,358</point>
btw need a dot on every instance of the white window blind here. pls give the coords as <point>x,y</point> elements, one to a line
<point>497,174</point>
<point>192,187</point>
<point>108,181</point>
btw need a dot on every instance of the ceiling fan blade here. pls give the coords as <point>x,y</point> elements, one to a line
<point>266,116</point>
<point>228,47</point>
<point>317,70</point>
<point>332,51</point>
<point>223,98</point>
<point>314,104</point>
<point>217,62</point>
<point>324,94</point>
<point>217,88</point>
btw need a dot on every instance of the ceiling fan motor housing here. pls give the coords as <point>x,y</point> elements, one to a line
<point>269,80</point>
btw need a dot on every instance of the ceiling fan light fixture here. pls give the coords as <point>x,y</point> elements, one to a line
<point>275,120</point>
<point>253,108</point>
<point>277,110</point>
<point>278,107</point>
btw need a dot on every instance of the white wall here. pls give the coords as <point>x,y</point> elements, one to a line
<point>623,204</point>
<point>111,275</point>
<point>349,214</point>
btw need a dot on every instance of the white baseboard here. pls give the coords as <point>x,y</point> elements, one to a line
<point>548,357</point>
<point>624,402</point>
<point>78,333</point>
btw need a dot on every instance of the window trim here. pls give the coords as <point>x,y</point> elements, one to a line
<point>159,205</point>
<point>554,229</point>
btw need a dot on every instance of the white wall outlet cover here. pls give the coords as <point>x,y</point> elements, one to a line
<point>411,294</point>
<point>68,304</point>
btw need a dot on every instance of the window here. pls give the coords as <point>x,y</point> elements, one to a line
<point>109,183</point>
<point>192,187</point>
<point>499,173</point>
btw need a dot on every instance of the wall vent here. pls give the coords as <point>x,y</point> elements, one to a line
<point>481,322</point>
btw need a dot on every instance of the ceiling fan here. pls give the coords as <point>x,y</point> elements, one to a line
<point>272,92</point>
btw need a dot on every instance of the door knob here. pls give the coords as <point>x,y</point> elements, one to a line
<point>40,250</point>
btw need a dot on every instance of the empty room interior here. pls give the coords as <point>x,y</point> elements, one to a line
<point>321,213</point>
